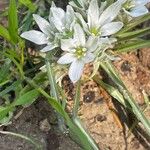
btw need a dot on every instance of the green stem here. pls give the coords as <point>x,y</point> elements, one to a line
<point>54,93</point>
<point>76,100</point>
<point>53,89</point>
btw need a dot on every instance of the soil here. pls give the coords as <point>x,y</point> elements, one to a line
<point>38,122</point>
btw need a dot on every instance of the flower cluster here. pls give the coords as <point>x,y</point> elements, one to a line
<point>135,8</point>
<point>83,32</point>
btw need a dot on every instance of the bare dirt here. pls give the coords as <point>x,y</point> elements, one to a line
<point>39,123</point>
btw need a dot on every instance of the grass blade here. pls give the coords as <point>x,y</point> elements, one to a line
<point>133,34</point>
<point>135,22</point>
<point>133,46</point>
<point>112,91</point>
<point>13,21</point>
<point>32,7</point>
<point>10,88</point>
<point>4,33</point>
<point>27,98</point>
<point>4,71</point>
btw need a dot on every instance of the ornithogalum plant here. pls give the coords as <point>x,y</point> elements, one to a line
<point>89,31</point>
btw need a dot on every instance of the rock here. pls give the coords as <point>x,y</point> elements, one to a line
<point>44,125</point>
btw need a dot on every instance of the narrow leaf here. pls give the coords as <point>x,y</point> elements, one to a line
<point>4,111</point>
<point>114,92</point>
<point>27,98</point>
<point>112,72</point>
<point>133,34</point>
<point>4,70</point>
<point>32,7</point>
<point>13,21</point>
<point>133,46</point>
<point>4,33</point>
<point>135,22</point>
<point>9,88</point>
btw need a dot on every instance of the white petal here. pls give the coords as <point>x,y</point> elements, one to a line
<point>58,18</point>
<point>66,59</point>
<point>79,35</point>
<point>111,28</point>
<point>92,44</point>
<point>93,14</point>
<point>43,24</point>
<point>36,37</point>
<point>110,13</point>
<point>89,57</point>
<point>138,11</point>
<point>58,24</point>
<point>76,70</point>
<point>49,47</point>
<point>50,12</point>
<point>70,16</point>
<point>67,44</point>
<point>142,2</point>
<point>83,23</point>
<point>58,13</point>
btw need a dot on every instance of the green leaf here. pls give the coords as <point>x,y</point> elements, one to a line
<point>19,67</point>
<point>13,21</point>
<point>26,22</point>
<point>78,3</point>
<point>112,73</point>
<point>77,131</point>
<point>4,71</point>
<point>4,111</point>
<point>133,46</point>
<point>135,22</point>
<point>27,98</point>
<point>32,7</point>
<point>9,88</point>
<point>52,81</point>
<point>133,34</point>
<point>4,33</point>
<point>114,92</point>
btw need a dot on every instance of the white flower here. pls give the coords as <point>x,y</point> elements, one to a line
<point>59,26</point>
<point>63,21</point>
<point>78,52</point>
<point>99,21</point>
<point>135,8</point>
<point>45,37</point>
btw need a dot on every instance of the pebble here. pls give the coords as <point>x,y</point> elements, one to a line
<point>44,125</point>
